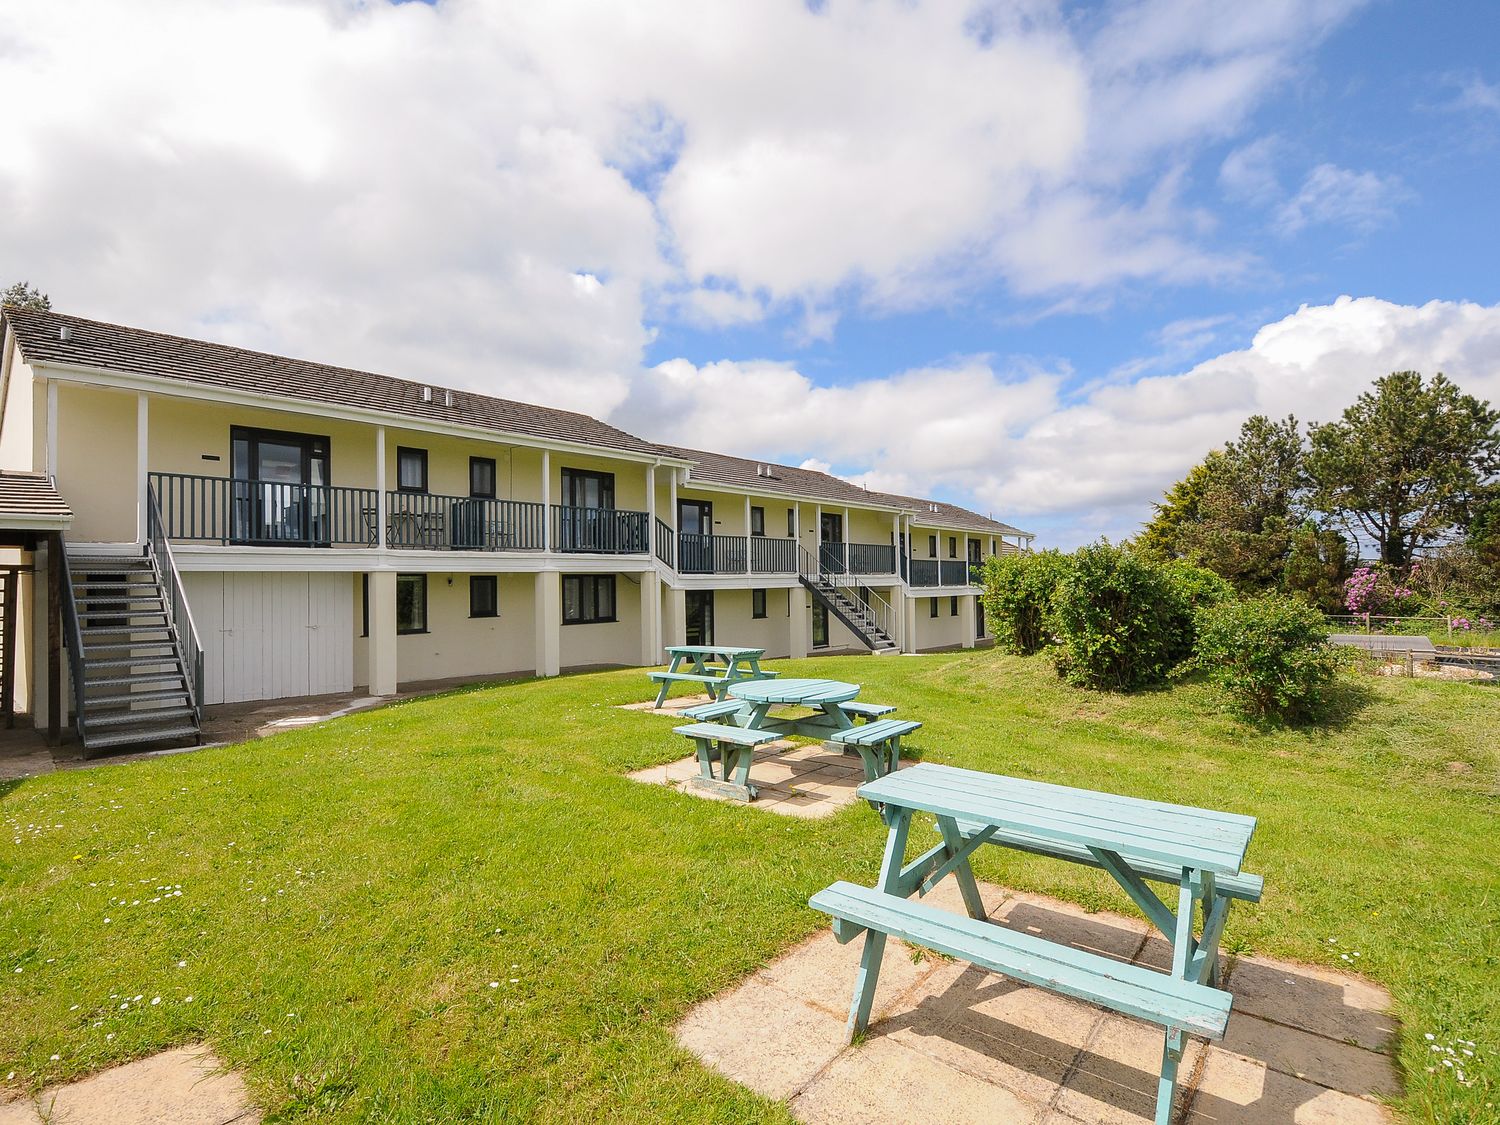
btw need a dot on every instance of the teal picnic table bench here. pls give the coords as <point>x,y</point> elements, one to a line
<point>728,730</point>
<point>1199,850</point>
<point>711,667</point>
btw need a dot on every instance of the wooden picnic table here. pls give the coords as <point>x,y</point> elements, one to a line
<point>748,708</point>
<point>738,663</point>
<point>1135,840</point>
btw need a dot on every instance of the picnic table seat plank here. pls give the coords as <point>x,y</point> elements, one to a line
<point>719,709</point>
<point>869,734</point>
<point>1244,886</point>
<point>1136,828</point>
<point>1131,989</point>
<point>868,710</point>
<point>717,732</point>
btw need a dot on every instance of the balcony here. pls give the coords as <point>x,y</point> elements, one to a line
<point>202,509</point>
<point>733,554</point>
<point>939,572</point>
<point>857,558</point>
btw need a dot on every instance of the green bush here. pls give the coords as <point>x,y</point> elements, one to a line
<point>1018,591</point>
<point>1190,588</point>
<point>1270,655</point>
<point>1116,617</point>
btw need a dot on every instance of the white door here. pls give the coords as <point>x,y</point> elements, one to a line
<point>274,635</point>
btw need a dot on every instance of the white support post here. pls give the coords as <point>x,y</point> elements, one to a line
<point>799,623</point>
<point>142,463</point>
<point>673,500</point>
<point>968,618</point>
<point>651,504</point>
<point>747,533</point>
<point>51,461</point>
<point>381,538</point>
<point>384,672</point>
<point>548,621</point>
<point>650,611</point>
<point>547,543</point>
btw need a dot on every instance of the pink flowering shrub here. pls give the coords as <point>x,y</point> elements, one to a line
<point>1375,591</point>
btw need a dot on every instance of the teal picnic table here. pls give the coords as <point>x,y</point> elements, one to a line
<point>711,667</point>
<point>726,750</point>
<point>1200,851</point>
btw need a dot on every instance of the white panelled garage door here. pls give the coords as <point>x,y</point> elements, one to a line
<point>273,635</point>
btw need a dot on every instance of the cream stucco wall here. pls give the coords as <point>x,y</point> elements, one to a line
<point>943,631</point>
<point>96,462</point>
<point>615,642</point>
<point>20,440</point>
<point>735,625</point>
<point>455,644</point>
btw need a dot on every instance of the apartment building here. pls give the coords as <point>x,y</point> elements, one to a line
<point>243,526</point>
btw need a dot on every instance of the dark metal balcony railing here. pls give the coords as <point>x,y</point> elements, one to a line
<point>430,521</point>
<point>204,509</point>
<point>938,572</point>
<point>610,531</point>
<point>711,554</point>
<point>664,548</point>
<point>872,558</point>
<point>772,556</point>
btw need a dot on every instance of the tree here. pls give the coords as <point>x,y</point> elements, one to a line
<point>1408,463</point>
<point>1316,567</point>
<point>1235,511</point>
<point>25,295</point>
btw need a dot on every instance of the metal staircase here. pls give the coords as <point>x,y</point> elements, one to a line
<point>134,681</point>
<point>868,615</point>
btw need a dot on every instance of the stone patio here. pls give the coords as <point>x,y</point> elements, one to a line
<point>790,778</point>
<point>1305,1045</point>
<point>185,1086</point>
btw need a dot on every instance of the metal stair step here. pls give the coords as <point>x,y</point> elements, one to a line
<point>126,718</point>
<point>91,702</point>
<point>149,593</point>
<point>171,676</point>
<point>127,738</point>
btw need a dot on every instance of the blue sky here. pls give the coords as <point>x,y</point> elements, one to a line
<point>1033,257</point>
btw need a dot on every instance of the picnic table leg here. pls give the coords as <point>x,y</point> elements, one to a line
<point>705,758</point>
<point>1166,1086</point>
<point>869,960</point>
<point>743,760</point>
<point>967,887</point>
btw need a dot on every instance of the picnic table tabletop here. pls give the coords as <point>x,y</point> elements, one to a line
<point>812,693</point>
<point>714,650</point>
<point>1179,835</point>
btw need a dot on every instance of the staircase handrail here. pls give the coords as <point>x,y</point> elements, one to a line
<point>74,635</point>
<point>190,648</point>
<point>876,612</point>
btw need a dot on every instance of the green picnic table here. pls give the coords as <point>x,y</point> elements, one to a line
<point>1200,851</point>
<point>878,743</point>
<point>703,668</point>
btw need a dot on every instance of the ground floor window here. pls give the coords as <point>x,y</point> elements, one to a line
<point>978,618</point>
<point>820,626</point>
<point>411,603</point>
<point>588,599</point>
<point>699,617</point>
<point>932,607</point>
<point>484,595</point>
<point>952,607</point>
<point>757,603</point>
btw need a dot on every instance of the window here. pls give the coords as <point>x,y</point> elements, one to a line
<point>820,625</point>
<point>482,477</point>
<point>952,607</point>
<point>364,605</point>
<point>411,603</point>
<point>791,523</point>
<point>588,598</point>
<point>279,497</point>
<point>411,469</point>
<point>953,546</point>
<point>932,546</point>
<point>484,595</point>
<point>757,521</point>
<point>581,489</point>
<point>932,610</point>
<point>757,603</point>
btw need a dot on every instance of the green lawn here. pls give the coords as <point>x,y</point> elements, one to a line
<point>457,908</point>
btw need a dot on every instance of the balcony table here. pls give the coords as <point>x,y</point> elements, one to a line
<point>738,664</point>
<point>1199,850</point>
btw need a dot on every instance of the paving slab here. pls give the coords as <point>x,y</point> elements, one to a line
<point>790,779</point>
<point>953,1042</point>
<point>185,1086</point>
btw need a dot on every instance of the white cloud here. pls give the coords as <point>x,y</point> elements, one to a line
<point>1475,93</point>
<point>1013,444</point>
<point>1249,172</point>
<point>1330,194</point>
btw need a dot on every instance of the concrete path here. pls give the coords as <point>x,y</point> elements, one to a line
<point>1305,1045</point>
<point>185,1086</point>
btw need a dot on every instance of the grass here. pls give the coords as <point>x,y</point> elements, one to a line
<point>457,908</point>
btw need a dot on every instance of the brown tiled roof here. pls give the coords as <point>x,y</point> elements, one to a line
<point>112,347</point>
<point>30,498</point>
<point>951,515</point>
<point>720,468</point>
